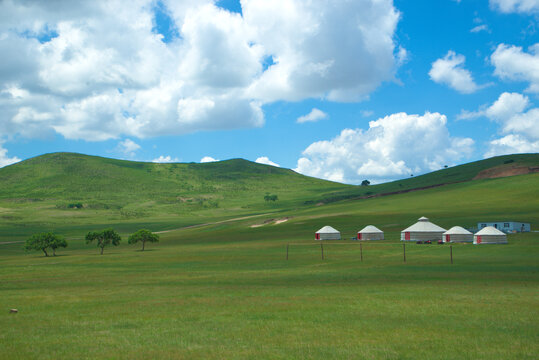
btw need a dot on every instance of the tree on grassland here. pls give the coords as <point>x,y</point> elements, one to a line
<point>365,183</point>
<point>43,241</point>
<point>269,197</point>
<point>104,238</point>
<point>57,242</point>
<point>143,235</point>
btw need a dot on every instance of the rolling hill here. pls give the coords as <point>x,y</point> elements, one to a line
<point>224,289</point>
<point>71,192</point>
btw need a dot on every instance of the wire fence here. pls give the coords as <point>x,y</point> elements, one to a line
<point>363,247</point>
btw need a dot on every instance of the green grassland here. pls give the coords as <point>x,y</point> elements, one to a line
<point>36,194</point>
<point>225,290</point>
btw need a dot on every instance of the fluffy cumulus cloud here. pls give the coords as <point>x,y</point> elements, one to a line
<point>392,147</point>
<point>266,160</point>
<point>450,71</point>
<point>519,124</point>
<point>5,159</point>
<point>128,147</point>
<point>512,63</point>
<point>313,116</point>
<point>516,6</point>
<point>511,144</point>
<point>165,159</point>
<point>97,70</point>
<point>206,159</point>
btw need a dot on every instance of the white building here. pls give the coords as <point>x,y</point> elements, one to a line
<point>370,232</point>
<point>422,230</point>
<point>327,233</point>
<point>457,234</point>
<point>490,235</point>
<point>506,226</point>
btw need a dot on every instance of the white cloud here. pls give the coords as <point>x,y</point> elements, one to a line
<point>515,6</point>
<point>511,144</point>
<point>367,113</point>
<point>266,160</point>
<point>97,70</point>
<point>479,28</point>
<point>341,52</point>
<point>392,147</point>
<point>511,63</point>
<point>165,159</point>
<point>313,116</point>
<point>520,127</point>
<point>5,159</point>
<point>507,105</point>
<point>450,71</point>
<point>128,147</point>
<point>206,159</point>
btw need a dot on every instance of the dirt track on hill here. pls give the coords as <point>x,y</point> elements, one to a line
<point>212,223</point>
<point>498,172</point>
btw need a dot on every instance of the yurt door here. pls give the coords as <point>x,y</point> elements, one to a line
<point>479,239</point>
<point>407,236</point>
<point>359,236</point>
<point>447,238</point>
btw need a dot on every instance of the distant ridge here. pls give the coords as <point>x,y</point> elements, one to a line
<point>71,175</point>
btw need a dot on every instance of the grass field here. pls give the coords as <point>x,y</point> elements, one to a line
<point>226,291</point>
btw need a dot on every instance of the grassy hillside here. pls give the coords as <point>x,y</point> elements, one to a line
<point>456,174</point>
<point>40,193</point>
<point>225,290</point>
<point>100,181</point>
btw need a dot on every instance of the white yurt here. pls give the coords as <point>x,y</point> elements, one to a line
<point>457,234</point>
<point>489,235</point>
<point>327,233</point>
<point>422,230</point>
<point>370,232</point>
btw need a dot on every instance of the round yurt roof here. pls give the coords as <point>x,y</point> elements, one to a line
<point>489,230</point>
<point>424,225</point>
<point>370,229</point>
<point>457,230</point>
<point>327,230</point>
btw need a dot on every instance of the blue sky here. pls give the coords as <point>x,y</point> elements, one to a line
<point>341,90</point>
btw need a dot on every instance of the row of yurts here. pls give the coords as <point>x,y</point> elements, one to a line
<point>423,230</point>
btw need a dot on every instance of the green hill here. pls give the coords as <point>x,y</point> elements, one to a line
<point>227,287</point>
<point>74,192</point>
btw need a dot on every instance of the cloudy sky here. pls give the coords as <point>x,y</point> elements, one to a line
<point>344,90</point>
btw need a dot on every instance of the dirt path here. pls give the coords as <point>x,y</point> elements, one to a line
<point>213,223</point>
<point>11,242</point>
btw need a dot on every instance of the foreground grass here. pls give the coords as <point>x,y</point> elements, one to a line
<point>244,300</point>
<point>226,291</point>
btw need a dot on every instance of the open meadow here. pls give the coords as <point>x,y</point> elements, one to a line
<point>225,290</point>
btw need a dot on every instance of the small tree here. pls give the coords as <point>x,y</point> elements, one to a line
<point>43,241</point>
<point>104,238</point>
<point>269,197</point>
<point>143,235</point>
<point>57,242</point>
<point>365,183</point>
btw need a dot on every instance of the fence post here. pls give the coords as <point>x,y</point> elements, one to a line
<point>361,251</point>
<point>404,251</point>
<point>451,253</point>
<point>286,251</point>
<point>322,249</point>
